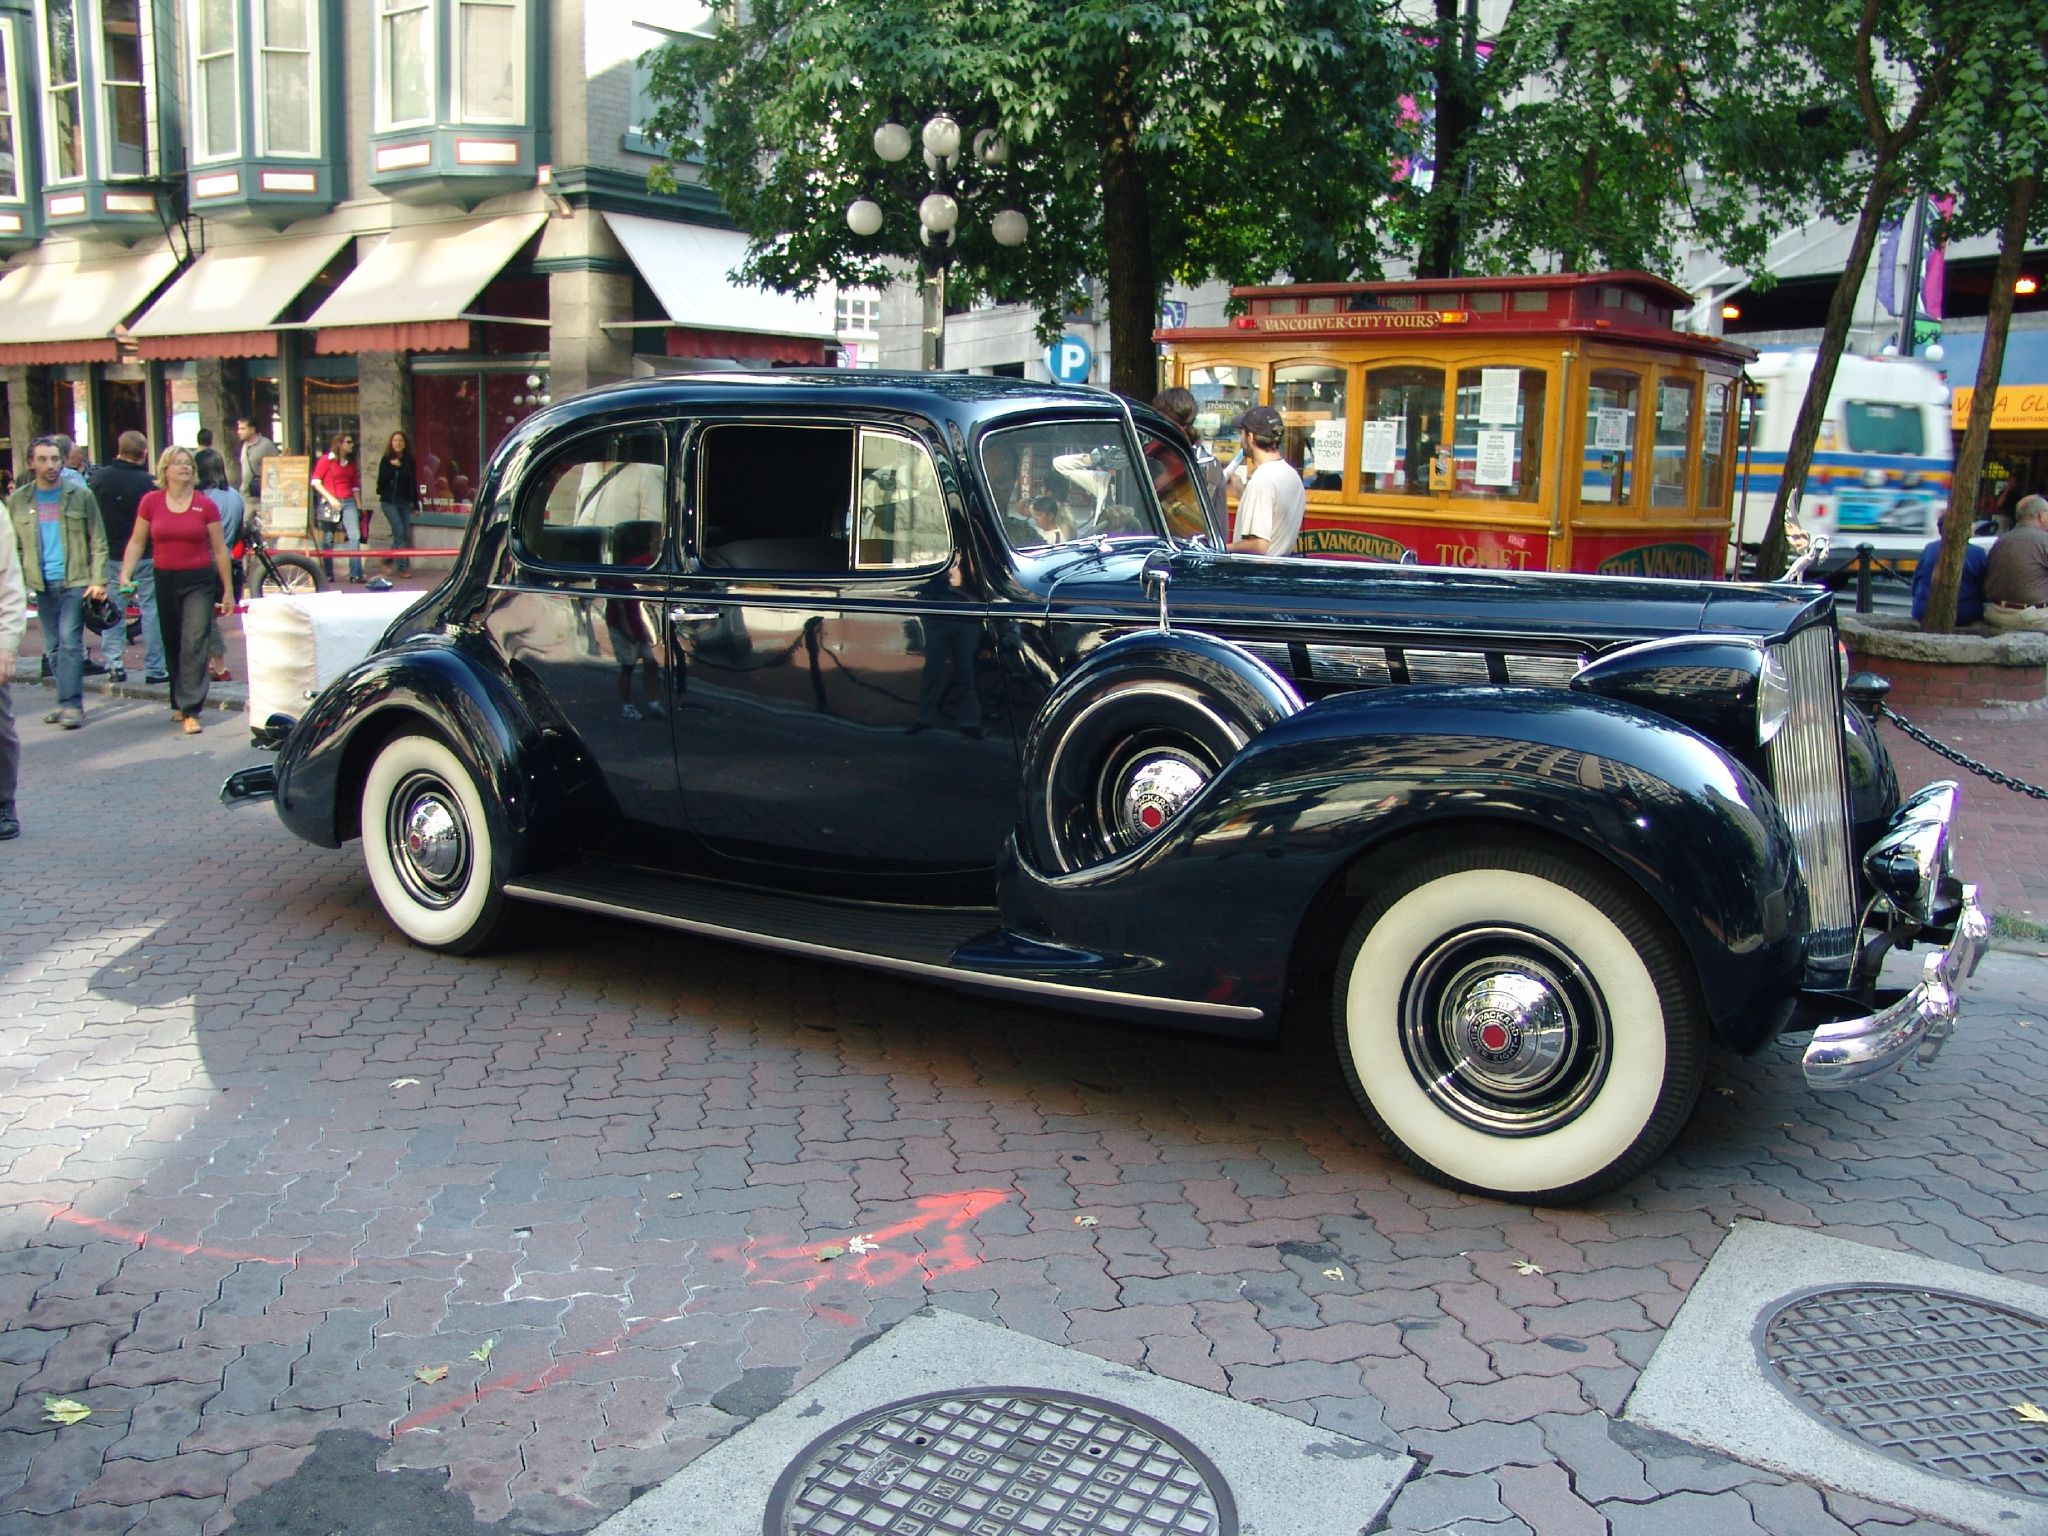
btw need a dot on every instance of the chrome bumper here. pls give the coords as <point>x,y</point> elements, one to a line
<point>1849,1051</point>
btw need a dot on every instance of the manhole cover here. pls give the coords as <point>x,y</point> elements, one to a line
<point>1924,1376</point>
<point>998,1461</point>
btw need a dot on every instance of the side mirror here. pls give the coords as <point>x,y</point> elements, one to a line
<point>1156,575</point>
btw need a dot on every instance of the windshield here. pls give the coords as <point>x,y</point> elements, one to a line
<point>1058,481</point>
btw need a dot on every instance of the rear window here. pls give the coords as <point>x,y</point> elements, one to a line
<point>1881,426</point>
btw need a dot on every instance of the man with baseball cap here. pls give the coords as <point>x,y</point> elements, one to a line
<point>1269,508</point>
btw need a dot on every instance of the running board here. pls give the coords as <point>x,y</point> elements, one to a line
<point>956,946</point>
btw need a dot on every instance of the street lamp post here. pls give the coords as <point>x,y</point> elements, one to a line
<point>938,195</point>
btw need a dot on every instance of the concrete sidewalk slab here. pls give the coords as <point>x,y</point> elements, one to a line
<point>1284,1475</point>
<point>1708,1384</point>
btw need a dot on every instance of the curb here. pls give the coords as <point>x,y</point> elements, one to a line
<point>226,697</point>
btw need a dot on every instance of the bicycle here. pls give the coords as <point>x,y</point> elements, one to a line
<point>287,573</point>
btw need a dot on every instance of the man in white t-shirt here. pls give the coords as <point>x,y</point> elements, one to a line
<point>1269,508</point>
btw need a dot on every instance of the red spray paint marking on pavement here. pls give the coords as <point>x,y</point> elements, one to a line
<point>793,1263</point>
<point>136,1237</point>
<point>536,1381</point>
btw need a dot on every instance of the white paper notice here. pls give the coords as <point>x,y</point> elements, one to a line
<point>1326,442</point>
<point>1495,463</point>
<point>1499,391</point>
<point>1610,428</point>
<point>1380,442</point>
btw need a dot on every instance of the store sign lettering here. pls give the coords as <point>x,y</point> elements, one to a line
<point>1368,320</point>
<point>1685,562</point>
<point>2014,406</point>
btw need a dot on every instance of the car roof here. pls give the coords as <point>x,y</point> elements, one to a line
<point>969,394</point>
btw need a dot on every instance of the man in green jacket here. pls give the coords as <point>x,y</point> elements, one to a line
<point>63,548</point>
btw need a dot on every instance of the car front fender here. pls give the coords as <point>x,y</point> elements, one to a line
<point>1310,804</point>
<point>429,684</point>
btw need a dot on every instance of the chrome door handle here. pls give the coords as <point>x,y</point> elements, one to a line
<point>682,615</point>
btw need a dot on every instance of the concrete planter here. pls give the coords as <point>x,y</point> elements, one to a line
<point>1975,666</point>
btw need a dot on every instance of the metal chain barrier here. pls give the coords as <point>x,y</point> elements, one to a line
<point>1961,760</point>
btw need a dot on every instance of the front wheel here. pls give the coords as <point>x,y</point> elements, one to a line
<point>296,577</point>
<point>428,847</point>
<point>1517,1022</point>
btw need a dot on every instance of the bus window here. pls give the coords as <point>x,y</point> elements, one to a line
<point>1499,443</point>
<point>1222,394</point>
<point>1670,457</point>
<point>1310,399</point>
<point>1611,395</point>
<point>1404,421</point>
<point>1714,447</point>
<point>1881,426</point>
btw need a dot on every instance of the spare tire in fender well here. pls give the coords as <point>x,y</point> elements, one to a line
<point>1131,734</point>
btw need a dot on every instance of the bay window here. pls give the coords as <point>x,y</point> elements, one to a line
<point>10,167</point>
<point>286,87</point>
<point>124,83</point>
<point>216,82</point>
<point>63,93</point>
<point>490,48</point>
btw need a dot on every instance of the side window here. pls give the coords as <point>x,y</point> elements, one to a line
<point>1606,474</point>
<point>1673,443</point>
<point>1404,427</point>
<point>902,511</point>
<point>1714,447</point>
<point>601,501</point>
<point>1499,448</point>
<point>1310,397</point>
<point>1178,484</point>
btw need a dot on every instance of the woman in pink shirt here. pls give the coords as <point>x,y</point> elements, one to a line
<point>181,528</point>
<point>336,482</point>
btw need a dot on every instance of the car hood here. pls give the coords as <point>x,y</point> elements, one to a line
<point>1239,590</point>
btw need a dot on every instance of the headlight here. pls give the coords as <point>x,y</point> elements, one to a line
<point>1773,697</point>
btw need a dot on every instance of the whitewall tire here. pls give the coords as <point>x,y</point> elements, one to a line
<point>1518,1022</point>
<point>427,845</point>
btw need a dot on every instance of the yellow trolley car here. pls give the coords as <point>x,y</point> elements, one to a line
<point>1522,423</point>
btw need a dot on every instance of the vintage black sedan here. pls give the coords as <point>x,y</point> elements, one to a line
<point>948,677</point>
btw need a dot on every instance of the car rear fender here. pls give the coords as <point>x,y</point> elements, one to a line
<point>430,685</point>
<point>1299,816</point>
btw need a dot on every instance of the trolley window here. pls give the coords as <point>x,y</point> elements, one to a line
<point>1611,398</point>
<point>1499,446</point>
<point>1310,398</point>
<point>1672,454</point>
<point>1222,394</point>
<point>1714,446</point>
<point>1404,423</point>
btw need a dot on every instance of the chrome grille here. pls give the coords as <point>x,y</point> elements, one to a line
<point>1430,666</point>
<point>1812,788</point>
<point>1350,663</point>
<point>1544,671</point>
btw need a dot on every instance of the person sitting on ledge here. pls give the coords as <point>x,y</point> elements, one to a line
<point>1969,595</point>
<point>2016,575</point>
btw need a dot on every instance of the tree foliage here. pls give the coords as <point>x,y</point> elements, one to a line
<point>1150,140</point>
<point>1991,149</point>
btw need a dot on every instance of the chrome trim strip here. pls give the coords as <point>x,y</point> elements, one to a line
<point>1020,984</point>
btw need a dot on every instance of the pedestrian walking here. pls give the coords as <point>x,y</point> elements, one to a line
<point>182,525</point>
<point>213,480</point>
<point>255,449</point>
<point>13,625</point>
<point>1270,507</point>
<point>398,492</point>
<point>337,482</point>
<point>119,486</point>
<point>59,521</point>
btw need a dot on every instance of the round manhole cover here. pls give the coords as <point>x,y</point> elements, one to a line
<point>1928,1377</point>
<point>1001,1460</point>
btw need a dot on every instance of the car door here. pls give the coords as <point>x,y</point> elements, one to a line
<point>578,616</point>
<point>840,722</point>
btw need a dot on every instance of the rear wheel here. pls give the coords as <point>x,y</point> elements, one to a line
<point>1517,1022</point>
<point>428,846</point>
<point>296,577</point>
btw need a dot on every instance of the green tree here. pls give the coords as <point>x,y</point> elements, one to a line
<point>1992,143</point>
<point>1147,142</point>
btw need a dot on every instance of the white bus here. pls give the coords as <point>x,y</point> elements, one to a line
<point>1881,466</point>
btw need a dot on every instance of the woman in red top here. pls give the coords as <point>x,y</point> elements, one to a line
<point>336,481</point>
<point>182,528</point>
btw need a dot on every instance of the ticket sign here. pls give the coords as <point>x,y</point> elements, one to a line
<point>287,496</point>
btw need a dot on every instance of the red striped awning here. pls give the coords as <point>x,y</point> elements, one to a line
<point>407,336</point>
<point>746,347</point>
<point>223,344</point>
<point>38,352</point>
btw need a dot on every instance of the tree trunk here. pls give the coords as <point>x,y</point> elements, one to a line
<point>1133,270</point>
<point>1940,618</point>
<point>1770,560</point>
<point>1457,114</point>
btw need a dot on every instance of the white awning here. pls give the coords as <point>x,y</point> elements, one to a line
<point>689,268</point>
<point>240,287</point>
<point>77,301</point>
<point>423,273</point>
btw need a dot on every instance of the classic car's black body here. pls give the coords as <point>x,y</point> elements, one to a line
<point>805,790</point>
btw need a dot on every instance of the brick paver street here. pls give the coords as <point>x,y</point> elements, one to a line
<point>261,1163</point>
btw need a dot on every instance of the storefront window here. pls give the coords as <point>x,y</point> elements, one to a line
<point>1310,399</point>
<point>1672,459</point>
<point>447,428</point>
<point>1499,447</point>
<point>1403,428</point>
<point>1221,396</point>
<point>1604,477</point>
<point>1714,447</point>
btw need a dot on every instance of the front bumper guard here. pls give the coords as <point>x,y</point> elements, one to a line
<point>1851,1051</point>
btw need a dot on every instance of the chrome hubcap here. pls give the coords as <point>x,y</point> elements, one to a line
<point>1505,1030</point>
<point>429,840</point>
<point>1155,788</point>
